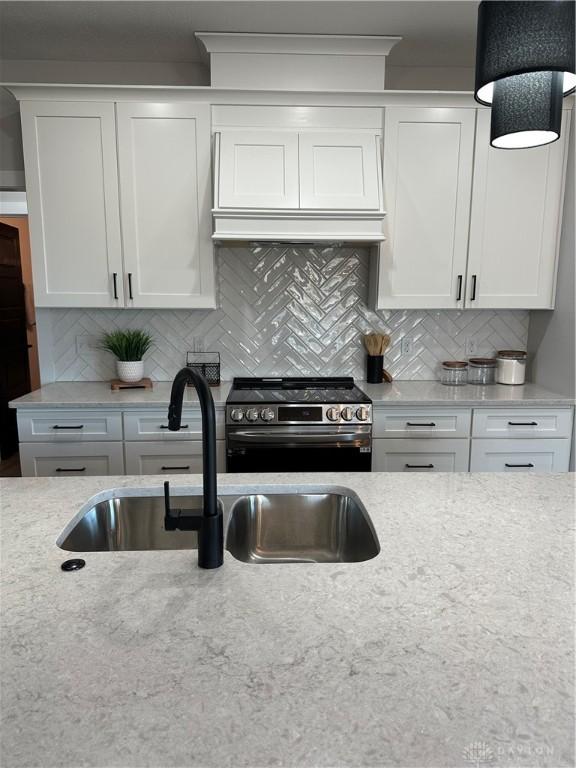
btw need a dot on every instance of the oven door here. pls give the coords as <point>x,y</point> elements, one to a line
<point>299,449</point>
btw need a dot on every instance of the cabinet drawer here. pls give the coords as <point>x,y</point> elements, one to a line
<point>71,460</point>
<point>153,425</point>
<point>64,426</point>
<point>522,422</point>
<point>520,455</point>
<point>158,458</point>
<point>420,455</point>
<point>422,422</point>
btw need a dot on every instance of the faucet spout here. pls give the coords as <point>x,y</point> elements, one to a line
<point>211,533</point>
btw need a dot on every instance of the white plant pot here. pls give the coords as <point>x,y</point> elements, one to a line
<point>130,371</point>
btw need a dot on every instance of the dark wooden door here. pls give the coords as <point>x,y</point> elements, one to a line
<point>14,368</point>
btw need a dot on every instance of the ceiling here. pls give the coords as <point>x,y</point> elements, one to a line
<point>435,33</point>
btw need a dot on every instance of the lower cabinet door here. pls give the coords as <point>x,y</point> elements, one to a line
<point>520,455</point>
<point>170,458</point>
<point>433,455</point>
<point>71,459</point>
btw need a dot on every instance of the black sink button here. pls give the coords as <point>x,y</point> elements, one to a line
<point>73,565</point>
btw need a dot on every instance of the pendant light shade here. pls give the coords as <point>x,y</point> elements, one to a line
<point>515,38</point>
<point>526,111</point>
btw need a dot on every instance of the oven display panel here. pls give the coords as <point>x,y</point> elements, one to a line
<point>299,413</point>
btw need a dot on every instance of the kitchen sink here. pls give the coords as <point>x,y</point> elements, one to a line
<point>300,528</point>
<point>129,523</point>
<point>263,528</point>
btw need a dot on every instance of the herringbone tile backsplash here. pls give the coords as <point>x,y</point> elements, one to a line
<point>283,310</point>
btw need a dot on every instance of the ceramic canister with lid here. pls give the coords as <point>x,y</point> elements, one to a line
<point>511,367</point>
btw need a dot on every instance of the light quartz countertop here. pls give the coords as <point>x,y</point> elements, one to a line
<point>72,394</point>
<point>453,647</point>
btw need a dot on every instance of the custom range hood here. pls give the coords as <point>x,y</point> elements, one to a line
<point>296,173</point>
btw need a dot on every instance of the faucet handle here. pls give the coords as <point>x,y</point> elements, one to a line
<point>180,519</point>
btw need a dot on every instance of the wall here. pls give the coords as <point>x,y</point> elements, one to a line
<point>551,337</point>
<point>283,310</point>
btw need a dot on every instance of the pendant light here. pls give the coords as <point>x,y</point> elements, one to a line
<point>526,110</point>
<point>515,38</point>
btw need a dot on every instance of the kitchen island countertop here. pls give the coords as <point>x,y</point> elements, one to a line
<point>452,647</point>
<point>93,394</point>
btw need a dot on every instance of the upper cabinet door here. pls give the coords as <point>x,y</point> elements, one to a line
<point>339,171</point>
<point>72,192</point>
<point>165,195</point>
<point>258,169</point>
<point>515,225</point>
<point>428,156</point>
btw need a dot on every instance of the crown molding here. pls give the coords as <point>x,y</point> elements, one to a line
<point>343,45</point>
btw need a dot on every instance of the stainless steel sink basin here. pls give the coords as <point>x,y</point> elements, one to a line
<point>129,523</point>
<point>301,528</point>
<point>272,528</point>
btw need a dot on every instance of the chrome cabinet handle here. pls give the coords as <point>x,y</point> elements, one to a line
<point>65,426</point>
<point>420,424</point>
<point>70,469</point>
<point>166,469</point>
<point>165,426</point>
<point>419,466</point>
<point>522,423</point>
<point>519,465</point>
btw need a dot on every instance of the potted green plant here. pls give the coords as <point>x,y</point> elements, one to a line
<point>129,347</point>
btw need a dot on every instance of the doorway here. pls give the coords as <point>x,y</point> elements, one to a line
<point>17,330</point>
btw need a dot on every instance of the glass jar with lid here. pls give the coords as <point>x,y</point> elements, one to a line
<point>511,366</point>
<point>481,370</point>
<point>454,373</point>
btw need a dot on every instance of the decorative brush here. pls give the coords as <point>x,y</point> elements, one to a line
<point>376,345</point>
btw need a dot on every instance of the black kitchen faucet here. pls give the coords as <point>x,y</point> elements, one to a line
<point>209,523</point>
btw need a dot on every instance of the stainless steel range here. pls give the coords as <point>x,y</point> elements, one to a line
<point>309,424</point>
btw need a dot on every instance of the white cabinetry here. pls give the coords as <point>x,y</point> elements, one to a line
<point>521,440</point>
<point>69,442</point>
<point>63,426</point>
<point>515,222</point>
<point>421,439</point>
<point>502,439</point>
<point>72,193</point>
<point>316,170</point>
<point>165,196</point>
<point>428,158</point>
<point>520,455</point>
<point>420,455</point>
<point>71,459</point>
<point>175,458</point>
<point>339,171</point>
<point>298,175</point>
<point>151,424</point>
<point>88,180</point>
<point>258,169</point>
<point>457,239</point>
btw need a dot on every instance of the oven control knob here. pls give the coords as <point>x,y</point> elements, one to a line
<point>252,414</point>
<point>266,414</point>
<point>347,413</point>
<point>333,414</point>
<point>236,414</point>
<point>362,413</point>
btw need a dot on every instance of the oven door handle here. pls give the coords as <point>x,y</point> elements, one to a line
<point>296,437</point>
